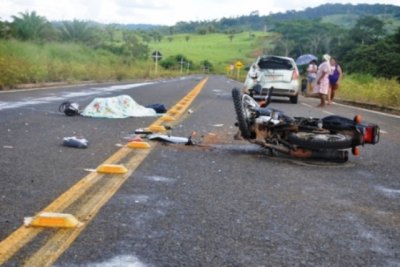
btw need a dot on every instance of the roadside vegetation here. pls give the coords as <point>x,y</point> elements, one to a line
<point>366,42</point>
<point>362,88</point>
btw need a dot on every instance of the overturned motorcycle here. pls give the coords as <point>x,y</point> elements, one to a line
<point>327,138</point>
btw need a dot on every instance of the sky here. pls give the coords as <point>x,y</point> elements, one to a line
<point>161,12</point>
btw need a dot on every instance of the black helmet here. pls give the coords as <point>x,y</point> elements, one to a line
<point>70,109</point>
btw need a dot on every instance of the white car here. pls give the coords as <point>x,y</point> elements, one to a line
<point>281,73</point>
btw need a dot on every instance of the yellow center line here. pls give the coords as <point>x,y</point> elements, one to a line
<point>86,202</point>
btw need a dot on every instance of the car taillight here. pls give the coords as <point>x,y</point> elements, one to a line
<point>371,134</point>
<point>295,75</point>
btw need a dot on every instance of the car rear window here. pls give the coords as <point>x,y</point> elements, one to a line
<point>275,63</point>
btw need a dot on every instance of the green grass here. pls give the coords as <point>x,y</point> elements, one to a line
<point>216,48</point>
<point>24,62</point>
<point>366,89</point>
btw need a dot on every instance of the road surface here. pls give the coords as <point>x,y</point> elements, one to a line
<point>225,203</point>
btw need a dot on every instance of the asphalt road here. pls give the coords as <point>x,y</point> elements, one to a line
<point>225,203</point>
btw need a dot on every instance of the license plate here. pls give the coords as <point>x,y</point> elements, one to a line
<point>274,77</point>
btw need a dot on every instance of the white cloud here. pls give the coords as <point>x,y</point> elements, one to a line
<point>166,12</point>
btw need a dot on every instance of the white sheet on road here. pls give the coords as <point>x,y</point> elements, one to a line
<point>117,107</point>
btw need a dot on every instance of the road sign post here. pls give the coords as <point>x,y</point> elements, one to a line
<point>238,66</point>
<point>157,56</point>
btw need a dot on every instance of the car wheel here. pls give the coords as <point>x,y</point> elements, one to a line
<point>294,99</point>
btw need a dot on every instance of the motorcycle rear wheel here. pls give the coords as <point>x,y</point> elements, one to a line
<point>320,141</point>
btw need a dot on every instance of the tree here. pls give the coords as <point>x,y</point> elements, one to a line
<point>75,31</point>
<point>207,65</point>
<point>5,30</point>
<point>187,38</point>
<point>157,36</point>
<point>133,48</point>
<point>30,26</point>
<point>378,59</point>
<point>202,30</point>
<point>368,30</point>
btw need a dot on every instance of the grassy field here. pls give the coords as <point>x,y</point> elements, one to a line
<point>366,89</point>
<point>25,62</point>
<point>216,48</point>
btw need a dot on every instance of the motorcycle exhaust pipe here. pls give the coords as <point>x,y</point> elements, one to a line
<point>332,155</point>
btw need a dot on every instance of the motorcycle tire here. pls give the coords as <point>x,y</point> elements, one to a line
<point>243,122</point>
<point>318,141</point>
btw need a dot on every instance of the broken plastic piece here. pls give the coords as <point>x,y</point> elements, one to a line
<point>143,131</point>
<point>169,139</point>
<point>112,168</point>
<point>52,219</point>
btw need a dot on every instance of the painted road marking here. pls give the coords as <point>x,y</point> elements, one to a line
<point>369,110</point>
<point>84,200</point>
<point>328,112</point>
<point>29,101</point>
<point>307,105</point>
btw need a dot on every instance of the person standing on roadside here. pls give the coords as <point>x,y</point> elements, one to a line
<point>311,75</point>
<point>334,79</point>
<point>322,80</point>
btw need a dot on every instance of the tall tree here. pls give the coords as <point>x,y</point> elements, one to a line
<point>76,31</point>
<point>5,30</point>
<point>368,30</point>
<point>30,26</point>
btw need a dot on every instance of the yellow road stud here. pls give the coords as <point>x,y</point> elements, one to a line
<point>53,219</point>
<point>167,118</point>
<point>138,144</point>
<point>157,128</point>
<point>112,168</point>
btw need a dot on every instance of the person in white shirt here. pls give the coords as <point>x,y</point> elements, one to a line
<point>322,79</point>
<point>311,75</point>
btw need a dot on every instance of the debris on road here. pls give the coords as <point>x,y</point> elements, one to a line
<point>76,142</point>
<point>159,108</point>
<point>168,138</point>
<point>117,107</point>
<point>69,108</point>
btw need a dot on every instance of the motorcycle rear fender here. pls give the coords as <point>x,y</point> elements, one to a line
<point>370,132</point>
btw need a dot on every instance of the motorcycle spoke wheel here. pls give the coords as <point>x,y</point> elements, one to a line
<point>320,141</point>
<point>243,105</point>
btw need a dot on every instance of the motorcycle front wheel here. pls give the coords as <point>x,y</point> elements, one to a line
<point>320,141</point>
<point>243,104</point>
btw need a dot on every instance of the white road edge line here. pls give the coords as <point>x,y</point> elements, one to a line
<point>368,110</point>
<point>307,105</point>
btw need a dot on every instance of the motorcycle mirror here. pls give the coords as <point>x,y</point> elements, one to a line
<point>269,95</point>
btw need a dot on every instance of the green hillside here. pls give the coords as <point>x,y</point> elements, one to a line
<point>217,48</point>
<point>348,21</point>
